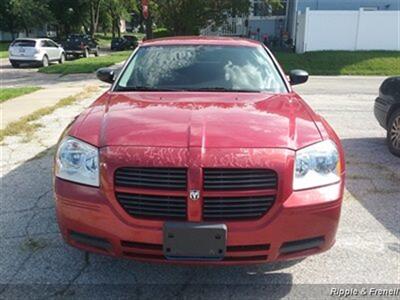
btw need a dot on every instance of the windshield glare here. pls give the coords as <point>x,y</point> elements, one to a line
<point>199,68</point>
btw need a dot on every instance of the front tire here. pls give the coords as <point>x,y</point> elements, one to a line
<point>62,58</point>
<point>45,61</point>
<point>393,133</point>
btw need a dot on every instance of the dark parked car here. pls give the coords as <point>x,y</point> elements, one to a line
<point>120,44</point>
<point>124,43</point>
<point>80,45</point>
<point>387,112</point>
<point>133,41</point>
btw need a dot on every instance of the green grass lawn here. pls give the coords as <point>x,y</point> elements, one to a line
<point>10,93</point>
<point>385,63</point>
<point>343,62</point>
<point>86,65</point>
<point>4,49</point>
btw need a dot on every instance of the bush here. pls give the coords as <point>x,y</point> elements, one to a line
<point>161,32</point>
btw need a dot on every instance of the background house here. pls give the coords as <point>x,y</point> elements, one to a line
<point>299,6</point>
<point>280,27</point>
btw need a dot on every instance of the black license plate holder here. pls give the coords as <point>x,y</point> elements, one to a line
<point>194,241</point>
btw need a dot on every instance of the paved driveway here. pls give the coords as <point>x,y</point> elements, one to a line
<point>35,261</point>
<point>29,76</point>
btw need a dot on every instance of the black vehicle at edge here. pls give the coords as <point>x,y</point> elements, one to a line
<point>124,43</point>
<point>80,45</point>
<point>387,112</point>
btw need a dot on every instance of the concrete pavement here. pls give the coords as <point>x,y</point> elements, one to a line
<point>14,109</point>
<point>35,261</point>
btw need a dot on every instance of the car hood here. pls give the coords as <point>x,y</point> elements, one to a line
<point>209,120</point>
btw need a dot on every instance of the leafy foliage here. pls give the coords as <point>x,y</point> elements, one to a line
<point>117,10</point>
<point>22,15</point>
<point>179,17</point>
<point>185,17</point>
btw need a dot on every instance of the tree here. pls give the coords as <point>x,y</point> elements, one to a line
<point>31,13</point>
<point>94,15</point>
<point>184,17</point>
<point>17,15</point>
<point>69,15</point>
<point>8,21</point>
<point>119,10</point>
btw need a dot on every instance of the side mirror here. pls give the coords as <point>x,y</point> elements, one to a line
<point>106,75</point>
<point>298,77</point>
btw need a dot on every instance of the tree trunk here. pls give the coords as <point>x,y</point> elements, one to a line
<point>112,25</point>
<point>117,23</point>
<point>94,16</point>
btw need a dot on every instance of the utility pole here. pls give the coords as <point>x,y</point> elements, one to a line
<point>147,18</point>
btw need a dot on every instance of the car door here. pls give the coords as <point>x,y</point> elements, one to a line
<point>55,49</point>
<point>45,47</point>
<point>52,50</point>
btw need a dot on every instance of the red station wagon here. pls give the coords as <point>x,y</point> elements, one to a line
<point>201,153</point>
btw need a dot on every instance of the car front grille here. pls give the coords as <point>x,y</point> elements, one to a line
<point>239,179</point>
<point>156,178</point>
<point>228,194</point>
<point>165,207</point>
<point>228,208</point>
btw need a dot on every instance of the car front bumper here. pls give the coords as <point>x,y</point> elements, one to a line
<point>304,224</point>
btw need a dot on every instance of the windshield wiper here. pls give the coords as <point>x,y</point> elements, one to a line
<point>222,89</point>
<point>142,88</point>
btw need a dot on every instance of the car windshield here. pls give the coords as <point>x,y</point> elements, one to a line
<point>201,68</point>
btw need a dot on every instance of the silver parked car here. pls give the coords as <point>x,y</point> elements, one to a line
<point>35,51</point>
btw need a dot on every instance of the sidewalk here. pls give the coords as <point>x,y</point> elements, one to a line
<point>14,109</point>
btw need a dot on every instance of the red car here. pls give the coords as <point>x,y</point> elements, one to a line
<point>200,152</point>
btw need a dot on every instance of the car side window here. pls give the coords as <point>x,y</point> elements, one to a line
<point>52,44</point>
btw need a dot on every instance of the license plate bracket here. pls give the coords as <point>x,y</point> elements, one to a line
<point>194,241</point>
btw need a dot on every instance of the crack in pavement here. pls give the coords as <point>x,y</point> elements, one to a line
<point>38,210</point>
<point>64,291</point>
<point>37,199</point>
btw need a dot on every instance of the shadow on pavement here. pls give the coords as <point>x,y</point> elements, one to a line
<point>373,178</point>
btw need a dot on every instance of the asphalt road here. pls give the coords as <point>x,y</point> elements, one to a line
<point>35,261</point>
<point>29,76</point>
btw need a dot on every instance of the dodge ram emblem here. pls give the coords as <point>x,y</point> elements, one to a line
<point>194,195</point>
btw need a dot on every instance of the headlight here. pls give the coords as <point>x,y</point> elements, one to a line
<point>77,161</point>
<point>316,165</point>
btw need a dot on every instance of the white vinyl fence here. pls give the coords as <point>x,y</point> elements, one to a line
<point>347,30</point>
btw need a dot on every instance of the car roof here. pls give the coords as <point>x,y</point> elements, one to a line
<point>202,40</point>
<point>31,39</point>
